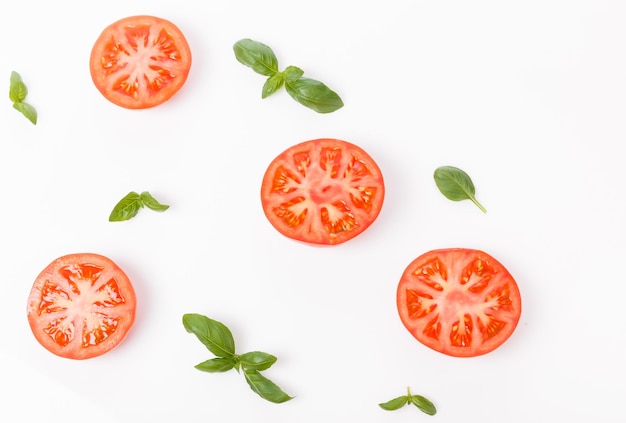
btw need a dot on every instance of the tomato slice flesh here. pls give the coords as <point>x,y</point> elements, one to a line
<point>81,306</point>
<point>322,191</point>
<point>140,61</point>
<point>460,302</point>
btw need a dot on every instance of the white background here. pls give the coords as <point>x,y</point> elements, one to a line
<point>528,97</point>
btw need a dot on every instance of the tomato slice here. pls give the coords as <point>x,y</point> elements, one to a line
<point>460,302</point>
<point>81,306</point>
<point>140,61</point>
<point>322,191</point>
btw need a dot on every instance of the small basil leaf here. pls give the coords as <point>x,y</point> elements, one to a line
<point>314,95</point>
<point>267,389</point>
<point>394,404</point>
<point>126,208</point>
<point>423,404</point>
<point>17,88</point>
<point>257,56</point>
<point>213,334</point>
<point>17,94</point>
<point>217,365</point>
<point>293,73</point>
<point>257,360</point>
<point>272,84</point>
<point>150,202</point>
<point>27,110</point>
<point>456,185</point>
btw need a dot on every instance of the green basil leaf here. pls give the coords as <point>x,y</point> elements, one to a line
<point>217,365</point>
<point>314,95</point>
<point>456,185</point>
<point>394,404</point>
<point>257,360</point>
<point>292,73</point>
<point>17,94</point>
<point>27,110</point>
<point>257,56</point>
<point>17,88</point>
<point>267,389</point>
<point>126,208</point>
<point>423,404</point>
<point>150,202</point>
<point>213,334</point>
<point>272,84</point>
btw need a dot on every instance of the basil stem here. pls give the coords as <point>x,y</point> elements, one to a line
<point>456,185</point>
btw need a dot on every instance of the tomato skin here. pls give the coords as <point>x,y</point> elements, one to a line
<point>458,301</point>
<point>322,192</point>
<point>140,62</point>
<point>81,306</point>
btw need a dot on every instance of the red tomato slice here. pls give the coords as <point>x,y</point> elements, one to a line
<point>140,61</point>
<point>81,306</point>
<point>322,192</point>
<point>458,301</point>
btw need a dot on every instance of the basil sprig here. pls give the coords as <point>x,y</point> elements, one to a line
<point>309,92</point>
<point>129,206</point>
<point>424,404</point>
<point>17,94</point>
<point>219,340</point>
<point>456,185</point>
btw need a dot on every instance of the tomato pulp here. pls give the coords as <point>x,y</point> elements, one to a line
<point>322,191</point>
<point>140,61</point>
<point>81,306</point>
<point>460,302</point>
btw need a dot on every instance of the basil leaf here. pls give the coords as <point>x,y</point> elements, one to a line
<point>217,365</point>
<point>394,404</point>
<point>213,334</point>
<point>423,404</point>
<point>292,73</point>
<point>17,94</point>
<point>27,110</point>
<point>314,95</point>
<point>264,387</point>
<point>17,88</point>
<point>308,92</point>
<point>126,208</point>
<point>219,340</point>
<point>257,360</point>
<point>456,185</point>
<point>129,206</point>
<point>272,84</point>
<point>257,56</point>
<point>150,202</point>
